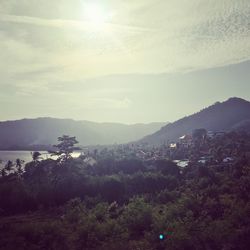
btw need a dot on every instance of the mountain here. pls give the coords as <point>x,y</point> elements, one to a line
<point>222,116</point>
<point>22,134</point>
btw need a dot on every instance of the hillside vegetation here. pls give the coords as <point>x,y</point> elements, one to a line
<point>39,133</point>
<point>233,114</point>
<point>129,204</point>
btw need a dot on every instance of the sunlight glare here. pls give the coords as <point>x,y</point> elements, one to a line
<point>97,15</point>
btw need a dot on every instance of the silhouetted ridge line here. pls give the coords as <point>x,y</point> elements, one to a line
<point>221,116</point>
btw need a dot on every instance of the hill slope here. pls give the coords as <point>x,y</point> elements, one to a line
<point>44,131</point>
<point>231,114</point>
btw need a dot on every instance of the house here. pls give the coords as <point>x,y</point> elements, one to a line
<point>173,145</point>
<point>141,154</point>
<point>205,159</point>
<point>219,133</point>
<point>213,134</point>
<point>186,141</point>
<point>90,161</point>
<point>228,160</point>
<point>210,134</point>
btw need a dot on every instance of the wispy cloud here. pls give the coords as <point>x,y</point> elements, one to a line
<point>68,24</point>
<point>144,37</point>
<point>46,46</point>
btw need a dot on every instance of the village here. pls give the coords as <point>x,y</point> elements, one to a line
<point>199,147</point>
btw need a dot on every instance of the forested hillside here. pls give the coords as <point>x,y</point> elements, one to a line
<point>126,203</point>
<point>30,133</point>
<point>233,114</point>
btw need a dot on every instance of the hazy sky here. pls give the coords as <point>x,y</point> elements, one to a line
<point>125,61</point>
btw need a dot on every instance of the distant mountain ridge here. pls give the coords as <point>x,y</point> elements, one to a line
<point>233,114</point>
<point>44,131</point>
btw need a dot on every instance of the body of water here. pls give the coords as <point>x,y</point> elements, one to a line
<point>26,156</point>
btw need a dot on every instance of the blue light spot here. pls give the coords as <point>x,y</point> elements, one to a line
<point>161,237</point>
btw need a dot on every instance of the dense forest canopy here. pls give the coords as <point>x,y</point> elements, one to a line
<point>127,203</point>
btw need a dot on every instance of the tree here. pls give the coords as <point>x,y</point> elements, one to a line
<point>112,189</point>
<point>9,165</point>
<point>167,167</point>
<point>137,216</point>
<point>18,163</point>
<point>19,166</point>
<point>199,134</point>
<point>66,147</point>
<point>3,172</point>
<point>35,156</point>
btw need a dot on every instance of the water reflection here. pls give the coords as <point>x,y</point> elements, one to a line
<point>26,156</point>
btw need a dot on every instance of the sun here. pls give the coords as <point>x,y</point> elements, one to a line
<point>96,15</point>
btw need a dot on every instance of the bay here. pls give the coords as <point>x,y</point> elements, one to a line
<point>26,156</point>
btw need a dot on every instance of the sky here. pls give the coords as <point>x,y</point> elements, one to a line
<point>121,61</point>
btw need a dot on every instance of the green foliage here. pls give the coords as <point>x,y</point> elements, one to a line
<point>36,156</point>
<point>66,147</point>
<point>33,235</point>
<point>137,217</point>
<point>126,204</point>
